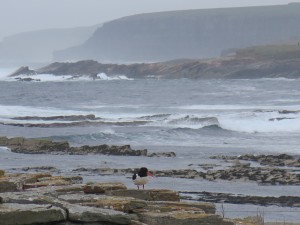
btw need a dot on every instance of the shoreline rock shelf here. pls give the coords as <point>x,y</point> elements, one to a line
<point>283,201</point>
<point>73,203</point>
<point>44,146</point>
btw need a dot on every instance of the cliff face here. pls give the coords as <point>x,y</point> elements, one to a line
<point>187,34</point>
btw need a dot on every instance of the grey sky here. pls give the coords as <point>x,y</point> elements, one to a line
<point>26,15</point>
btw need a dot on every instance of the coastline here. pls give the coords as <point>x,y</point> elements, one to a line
<point>180,178</point>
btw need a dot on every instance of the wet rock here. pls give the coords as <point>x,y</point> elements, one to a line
<point>38,169</point>
<point>100,188</point>
<point>60,118</point>
<point>38,146</point>
<point>283,201</point>
<point>205,166</point>
<point>162,154</point>
<point>108,150</point>
<point>2,173</point>
<point>19,214</point>
<point>269,160</point>
<point>147,195</point>
<point>107,171</point>
<point>32,146</point>
<point>27,79</point>
<point>186,173</point>
<point>259,174</point>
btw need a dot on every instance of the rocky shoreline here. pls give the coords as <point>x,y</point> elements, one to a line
<point>204,196</point>
<point>261,175</point>
<point>45,146</point>
<point>29,199</point>
<point>231,67</point>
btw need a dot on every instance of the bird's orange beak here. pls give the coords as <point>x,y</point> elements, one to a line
<point>150,174</point>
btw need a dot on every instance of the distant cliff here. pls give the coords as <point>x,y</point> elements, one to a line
<point>38,46</point>
<point>187,34</point>
<point>249,63</point>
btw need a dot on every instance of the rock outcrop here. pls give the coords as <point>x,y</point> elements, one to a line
<point>282,201</point>
<point>269,160</point>
<point>261,175</point>
<point>24,70</point>
<point>68,204</point>
<point>37,146</point>
<point>45,146</point>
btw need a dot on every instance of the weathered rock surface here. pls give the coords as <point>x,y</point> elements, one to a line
<point>162,154</point>
<point>77,213</point>
<point>20,214</point>
<point>45,146</point>
<point>68,205</point>
<point>60,118</point>
<point>36,146</point>
<point>283,201</point>
<point>101,188</point>
<point>147,195</point>
<point>269,160</point>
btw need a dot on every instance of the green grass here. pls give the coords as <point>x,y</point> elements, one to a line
<point>291,51</point>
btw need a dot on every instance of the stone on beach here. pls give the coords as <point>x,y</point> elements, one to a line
<point>23,214</point>
<point>100,188</point>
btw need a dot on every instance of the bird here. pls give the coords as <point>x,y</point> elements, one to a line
<point>141,177</point>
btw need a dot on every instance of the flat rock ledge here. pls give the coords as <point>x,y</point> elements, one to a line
<point>282,201</point>
<point>45,146</point>
<point>76,203</point>
<point>265,160</point>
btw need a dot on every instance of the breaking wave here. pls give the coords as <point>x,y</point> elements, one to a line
<point>63,78</point>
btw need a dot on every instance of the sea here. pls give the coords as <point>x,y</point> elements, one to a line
<point>194,118</point>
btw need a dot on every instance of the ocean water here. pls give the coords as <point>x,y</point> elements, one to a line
<point>194,118</point>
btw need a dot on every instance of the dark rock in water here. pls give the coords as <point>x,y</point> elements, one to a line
<point>24,70</point>
<point>280,118</point>
<point>84,122</point>
<point>283,201</point>
<point>107,150</point>
<point>270,160</point>
<point>37,146</point>
<point>261,175</point>
<point>61,118</point>
<point>162,154</point>
<point>27,79</point>
<point>38,169</point>
<point>288,112</point>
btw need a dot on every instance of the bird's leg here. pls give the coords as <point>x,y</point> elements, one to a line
<point>138,187</point>
<point>143,187</point>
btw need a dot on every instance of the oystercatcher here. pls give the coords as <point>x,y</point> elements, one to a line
<point>141,178</point>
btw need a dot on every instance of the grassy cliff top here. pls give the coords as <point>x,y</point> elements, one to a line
<point>286,51</point>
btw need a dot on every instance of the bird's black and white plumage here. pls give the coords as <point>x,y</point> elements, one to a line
<point>141,177</point>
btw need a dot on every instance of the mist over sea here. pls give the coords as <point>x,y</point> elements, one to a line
<point>194,118</point>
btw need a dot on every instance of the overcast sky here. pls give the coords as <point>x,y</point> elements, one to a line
<point>26,15</point>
